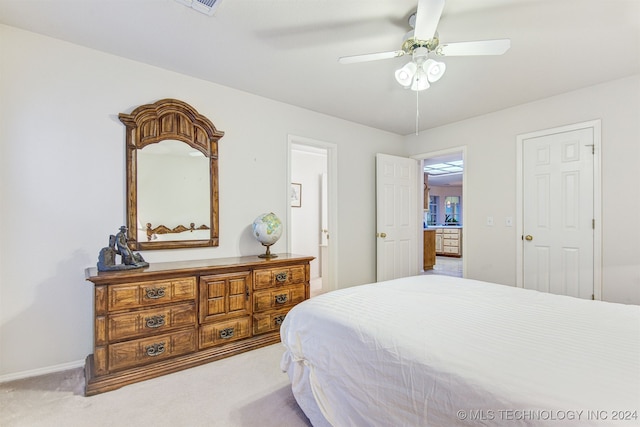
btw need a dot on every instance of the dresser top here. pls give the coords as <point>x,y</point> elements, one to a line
<point>193,267</point>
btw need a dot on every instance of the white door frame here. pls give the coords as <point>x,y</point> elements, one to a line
<point>597,199</point>
<point>422,156</point>
<point>332,184</point>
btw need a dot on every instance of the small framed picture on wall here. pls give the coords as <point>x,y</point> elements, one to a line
<point>296,195</point>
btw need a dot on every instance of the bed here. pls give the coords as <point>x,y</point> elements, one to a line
<point>444,351</point>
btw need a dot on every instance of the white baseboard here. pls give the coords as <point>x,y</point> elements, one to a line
<point>41,371</point>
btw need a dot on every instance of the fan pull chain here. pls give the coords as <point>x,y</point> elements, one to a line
<point>417,110</point>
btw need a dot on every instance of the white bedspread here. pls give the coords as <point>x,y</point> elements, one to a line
<point>441,351</point>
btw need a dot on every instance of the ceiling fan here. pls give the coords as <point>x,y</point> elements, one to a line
<point>421,42</point>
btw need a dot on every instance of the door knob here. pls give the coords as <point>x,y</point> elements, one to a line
<point>383,235</point>
<point>528,237</point>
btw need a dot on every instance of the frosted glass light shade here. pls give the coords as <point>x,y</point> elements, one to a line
<point>434,69</point>
<point>404,75</point>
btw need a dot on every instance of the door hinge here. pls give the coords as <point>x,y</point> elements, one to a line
<point>593,224</point>
<point>593,148</point>
<point>593,297</point>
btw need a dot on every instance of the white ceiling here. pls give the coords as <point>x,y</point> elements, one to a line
<point>287,50</point>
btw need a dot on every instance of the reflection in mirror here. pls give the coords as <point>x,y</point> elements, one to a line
<point>173,192</point>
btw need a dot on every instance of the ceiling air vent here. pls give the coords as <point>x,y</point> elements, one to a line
<point>208,7</point>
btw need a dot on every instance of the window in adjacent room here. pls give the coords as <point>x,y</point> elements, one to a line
<point>432,218</point>
<point>452,210</point>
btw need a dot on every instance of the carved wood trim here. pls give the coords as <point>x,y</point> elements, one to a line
<point>161,120</point>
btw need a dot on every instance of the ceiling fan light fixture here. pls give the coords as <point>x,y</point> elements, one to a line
<point>434,69</point>
<point>405,75</point>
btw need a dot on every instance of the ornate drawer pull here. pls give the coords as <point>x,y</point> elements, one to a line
<point>282,298</point>
<point>282,277</point>
<point>154,321</point>
<point>155,293</point>
<point>226,333</point>
<point>155,349</point>
<point>279,319</point>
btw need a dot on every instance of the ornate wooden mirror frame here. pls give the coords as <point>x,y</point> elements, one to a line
<point>169,119</point>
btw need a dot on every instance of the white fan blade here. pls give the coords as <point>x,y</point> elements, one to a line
<point>427,18</point>
<point>486,47</point>
<point>370,57</point>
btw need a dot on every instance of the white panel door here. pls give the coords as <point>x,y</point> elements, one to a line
<point>396,217</point>
<point>558,213</point>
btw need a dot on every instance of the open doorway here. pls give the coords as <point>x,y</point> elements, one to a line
<point>312,228</point>
<point>443,212</point>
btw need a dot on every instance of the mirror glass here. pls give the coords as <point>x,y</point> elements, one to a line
<point>173,193</point>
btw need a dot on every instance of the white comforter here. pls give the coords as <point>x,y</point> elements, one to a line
<point>443,351</point>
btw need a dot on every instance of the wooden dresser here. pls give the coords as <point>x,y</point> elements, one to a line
<point>175,315</point>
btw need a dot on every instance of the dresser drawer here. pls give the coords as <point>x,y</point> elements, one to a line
<point>269,321</point>
<point>149,321</point>
<point>152,349</point>
<point>143,294</point>
<point>278,298</point>
<point>451,231</point>
<point>285,276</point>
<point>218,333</point>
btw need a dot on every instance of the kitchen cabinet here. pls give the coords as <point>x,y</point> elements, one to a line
<point>448,241</point>
<point>429,248</point>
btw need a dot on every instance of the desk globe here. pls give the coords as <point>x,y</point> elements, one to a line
<point>267,229</point>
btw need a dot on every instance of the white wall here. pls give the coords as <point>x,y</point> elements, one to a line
<point>491,179</point>
<point>62,183</point>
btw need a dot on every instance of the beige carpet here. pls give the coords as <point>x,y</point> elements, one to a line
<point>246,390</point>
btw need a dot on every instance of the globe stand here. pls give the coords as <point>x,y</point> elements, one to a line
<point>268,254</point>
